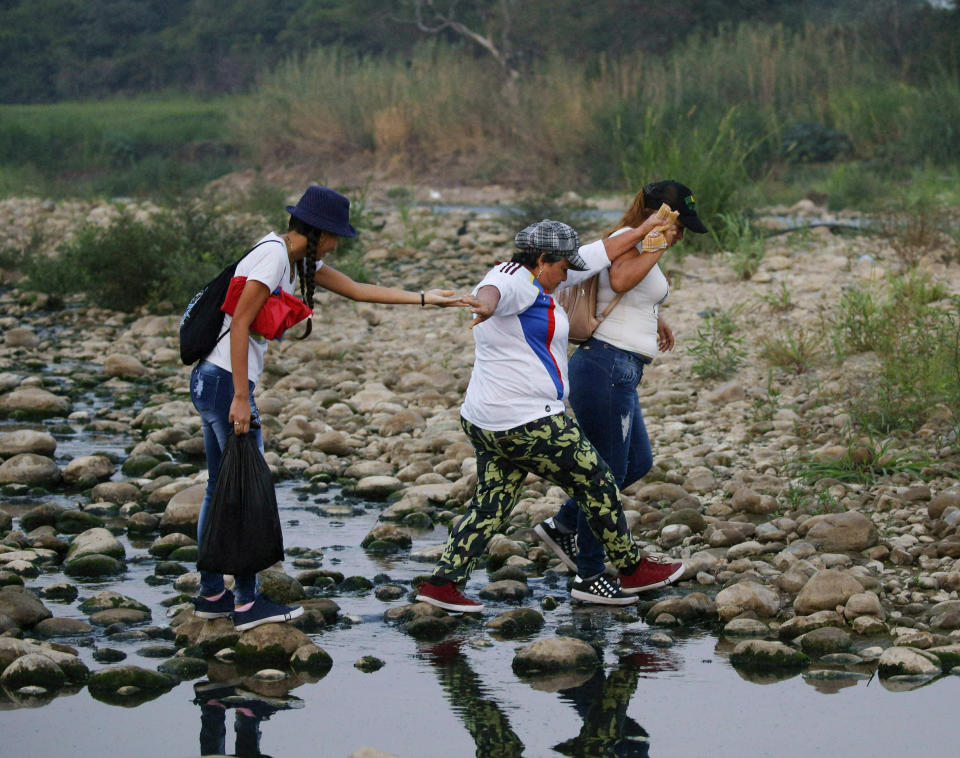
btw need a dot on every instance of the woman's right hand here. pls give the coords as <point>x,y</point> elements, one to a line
<point>240,414</point>
<point>650,223</point>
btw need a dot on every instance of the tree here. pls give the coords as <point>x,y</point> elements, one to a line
<point>488,24</point>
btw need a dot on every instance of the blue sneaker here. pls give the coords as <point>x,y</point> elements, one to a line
<point>264,611</point>
<point>213,609</point>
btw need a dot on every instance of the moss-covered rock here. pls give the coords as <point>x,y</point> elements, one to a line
<point>35,670</point>
<point>516,622</point>
<point>94,565</point>
<point>269,643</point>
<point>184,667</point>
<point>280,587</point>
<point>73,521</point>
<point>311,659</point>
<point>826,640</point>
<point>46,514</point>
<point>107,600</point>
<point>766,654</point>
<point>129,685</point>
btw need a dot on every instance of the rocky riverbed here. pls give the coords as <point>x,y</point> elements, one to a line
<point>836,579</point>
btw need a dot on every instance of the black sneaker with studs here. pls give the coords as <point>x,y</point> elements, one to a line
<point>600,589</point>
<point>564,544</point>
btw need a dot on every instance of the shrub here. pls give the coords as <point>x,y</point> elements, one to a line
<point>795,349</point>
<point>134,262</point>
<point>717,348</point>
<point>810,142</point>
<point>914,330</point>
<point>734,232</point>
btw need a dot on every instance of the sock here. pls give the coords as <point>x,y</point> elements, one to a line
<point>214,598</point>
<point>242,608</point>
<point>438,581</point>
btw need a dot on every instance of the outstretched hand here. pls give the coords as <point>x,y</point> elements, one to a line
<point>447,299</point>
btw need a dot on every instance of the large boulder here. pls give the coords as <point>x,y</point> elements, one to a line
<point>26,441</point>
<point>555,654</point>
<point>767,654</point>
<point>123,365</point>
<point>270,643</point>
<point>34,402</point>
<point>29,468</point>
<point>908,661</point>
<point>841,532</point>
<point>826,590</point>
<point>87,470</point>
<point>747,596</point>
<point>96,541</point>
<point>22,606</point>
<point>73,668</point>
<point>183,511</point>
<point>33,670</point>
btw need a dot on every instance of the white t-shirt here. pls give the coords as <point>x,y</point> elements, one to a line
<point>632,324</point>
<point>520,365</point>
<point>267,263</point>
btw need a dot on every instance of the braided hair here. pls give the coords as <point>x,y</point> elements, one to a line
<point>306,266</point>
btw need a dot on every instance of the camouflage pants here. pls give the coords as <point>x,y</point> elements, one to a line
<point>554,449</point>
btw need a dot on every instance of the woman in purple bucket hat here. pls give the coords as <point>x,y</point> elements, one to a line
<point>222,383</point>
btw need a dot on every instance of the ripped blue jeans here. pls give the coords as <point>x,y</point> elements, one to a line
<point>603,394</point>
<point>211,390</point>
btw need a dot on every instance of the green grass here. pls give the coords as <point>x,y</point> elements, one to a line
<point>864,461</point>
<point>912,327</point>
<point>115,147</point>
<point>717,347</point>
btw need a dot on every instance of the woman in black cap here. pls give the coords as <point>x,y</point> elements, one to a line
<point>221,385</point>
<point>604,374</point>
<point>513,411</point>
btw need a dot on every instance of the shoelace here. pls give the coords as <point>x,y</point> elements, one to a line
<point>662,559</point>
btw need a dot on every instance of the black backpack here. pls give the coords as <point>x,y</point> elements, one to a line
<point>202,321</point>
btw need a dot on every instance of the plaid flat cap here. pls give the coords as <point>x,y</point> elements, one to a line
<point>552,237</point>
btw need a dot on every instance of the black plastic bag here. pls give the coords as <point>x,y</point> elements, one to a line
<point>241,534</point>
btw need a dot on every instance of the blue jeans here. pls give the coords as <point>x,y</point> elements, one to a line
<point>211,389</point>
<point>603,394</point>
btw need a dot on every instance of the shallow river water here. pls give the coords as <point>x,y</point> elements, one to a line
<point>460,697</point>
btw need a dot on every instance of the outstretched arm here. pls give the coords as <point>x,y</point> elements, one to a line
<point>335,281</point>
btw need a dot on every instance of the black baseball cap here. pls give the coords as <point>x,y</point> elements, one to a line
<point>679,198</point>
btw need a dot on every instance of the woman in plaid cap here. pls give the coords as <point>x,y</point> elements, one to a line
<point>605,372</point>
<point>513,411</point>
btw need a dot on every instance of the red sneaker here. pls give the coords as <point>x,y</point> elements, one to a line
<point>448,597</point>
<point>650,574</point>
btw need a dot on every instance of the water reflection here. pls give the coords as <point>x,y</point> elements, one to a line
<point>250,708</point>
<point>602,702</point>
<point>487,724</point>
<point>599,698</point>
